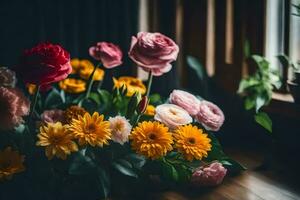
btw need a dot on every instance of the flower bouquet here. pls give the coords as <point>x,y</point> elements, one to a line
<point>75,140</point>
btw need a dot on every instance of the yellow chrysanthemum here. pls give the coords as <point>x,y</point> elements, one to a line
<point>57,139</point>
<point>73,112</point>
<point>75,63</point>
<point>11,162</point>
<point>132,84</point>
<point>86,72</point>
<point>151,139</point>
<point>150,110</point>
<point>78,65</point>
<point>192,142</point>
<point>72,85</point>
<point>91,130</point>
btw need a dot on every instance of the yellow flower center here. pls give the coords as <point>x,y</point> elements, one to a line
<point>119,126</point>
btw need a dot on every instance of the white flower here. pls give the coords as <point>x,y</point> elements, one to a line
<point>172,115</point>
<point>120,129</point>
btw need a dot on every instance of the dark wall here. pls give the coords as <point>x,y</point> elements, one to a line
<point>75,24</point>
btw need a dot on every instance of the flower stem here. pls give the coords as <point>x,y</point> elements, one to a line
<point>150,77</point>
<point>32,108</point>
<point>90,81</point>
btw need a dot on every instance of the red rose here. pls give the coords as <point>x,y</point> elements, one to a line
<point>153,52</point>
<point>44,64</point>
<point>109,54</point>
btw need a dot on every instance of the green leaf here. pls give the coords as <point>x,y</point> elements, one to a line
<point>124,167</point>
<point>184,173</point>
<point>81,164</point>
<point>261,62</point>
<point>20,129</point>
<point>155,98</point>
<point>216,152</point>
<point>169,171</point>
<point>249,103</point>
<point>95,97</point>
<point>260,101</point>
<point>197,66</point>
<point>232,165</point>
<point>264,120</point>
<point>63,96</point>
<point>136,160</point>
<point>103,182</point>
<point>284,60</point>
<point>53,99</point>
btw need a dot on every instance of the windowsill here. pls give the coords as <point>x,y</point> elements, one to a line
<point>283,105</point>
<point>282,97</point>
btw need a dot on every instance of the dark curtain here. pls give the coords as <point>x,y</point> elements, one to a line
<point>75,24</point>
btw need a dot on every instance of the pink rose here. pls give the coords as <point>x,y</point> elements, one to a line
<point>7,77</point>
<point>109,54</point>
<point>13,106</point>
<point>153,52</point>
<point>210,116</point>
<point>185,100</point>
<point>53,116</point>
<point>210,175</point>
<point>172,115</point>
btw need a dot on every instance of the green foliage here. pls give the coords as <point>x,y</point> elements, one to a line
<point>257,89</point>
<point>197,66</point>
<point>125,168</point>
<point>54,99</point>
<point>264,120</point>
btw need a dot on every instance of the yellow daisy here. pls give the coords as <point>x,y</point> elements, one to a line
<point>150,110</point>
<point>91,130</point>
<point>151,139</point>
<point>132,84</point>
<point>192,142</point>
<point>11,162</point>
<point>72,85</point>
<point>57,139</point>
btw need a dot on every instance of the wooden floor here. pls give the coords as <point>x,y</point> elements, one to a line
<point>253,184</point>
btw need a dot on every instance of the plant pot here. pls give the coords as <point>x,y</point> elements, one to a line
<point>296,77</point>
<point>294,88</point>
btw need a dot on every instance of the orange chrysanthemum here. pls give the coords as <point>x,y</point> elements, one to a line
<point>151,139</point>
<point>192,142</point>
<point>91,130</point>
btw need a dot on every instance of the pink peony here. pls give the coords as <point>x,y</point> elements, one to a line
<point>109,54</point>
<point>210,116</point>
<point>13,106</point>
<point>153,52</point>
<point>172,115</point>
<point>185,100</point>
<point>53,116</point>
<point>7,77</point>
<point>210,175</point>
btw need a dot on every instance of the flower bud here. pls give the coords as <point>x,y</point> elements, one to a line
<point>142,106</point>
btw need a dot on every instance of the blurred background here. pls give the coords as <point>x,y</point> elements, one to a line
<point>220,34</point>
